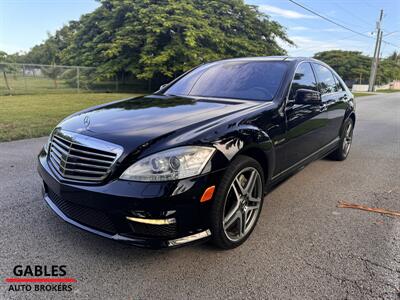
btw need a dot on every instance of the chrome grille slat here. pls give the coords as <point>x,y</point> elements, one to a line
<point>59,149</point>
<point>57,154</point>
<point>87,165</point>
<point>63,140</point>
<point>83,171</point>
<point>78,164</point>
<point>94,154</point>
<point>90,159</point>
<point>64,146</point>
<point>58,161</point>
<point>55,163</point>
<point>58,143</point>
<point>71,145</point>
<point>82,158</point>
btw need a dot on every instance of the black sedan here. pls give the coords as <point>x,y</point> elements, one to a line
<point>194,160</point>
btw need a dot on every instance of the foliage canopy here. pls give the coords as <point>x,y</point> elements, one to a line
<point>161,38</point>
<point>164,38</point>
<point>353,66</point>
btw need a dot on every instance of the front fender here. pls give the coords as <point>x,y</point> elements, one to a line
<point>251,141</point>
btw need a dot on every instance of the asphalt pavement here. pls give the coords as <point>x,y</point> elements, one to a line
<point>303,247</point>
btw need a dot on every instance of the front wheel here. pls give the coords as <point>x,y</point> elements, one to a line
<point>346,139</point>
<point>238,203</point>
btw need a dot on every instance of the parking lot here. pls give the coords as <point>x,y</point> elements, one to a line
<point>303,246</point>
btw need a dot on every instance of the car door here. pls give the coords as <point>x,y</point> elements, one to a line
<point>332,102</point>
<point>338,110</point>
<point>305,123</point>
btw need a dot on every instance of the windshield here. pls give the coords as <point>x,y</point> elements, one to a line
<point>252,80</point>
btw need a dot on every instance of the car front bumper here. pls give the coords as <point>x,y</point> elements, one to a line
<point>104,209</point>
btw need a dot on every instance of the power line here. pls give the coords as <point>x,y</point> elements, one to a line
<point>336,40</point>
<point>393,32</point>
<point>338,24</point>
<point>370,5</point>
<point>391,44</point>
<point>327,19</point>
<point>352,14</point>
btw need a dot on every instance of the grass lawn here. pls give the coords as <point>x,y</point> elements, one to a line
<point>388,91</point>
<point>28,116</point>
<point>362,94</point>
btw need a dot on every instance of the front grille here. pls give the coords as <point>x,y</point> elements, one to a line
<point>85,215</point>
<point>80,162</point>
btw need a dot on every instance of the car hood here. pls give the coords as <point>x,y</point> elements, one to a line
<point>133,122</point>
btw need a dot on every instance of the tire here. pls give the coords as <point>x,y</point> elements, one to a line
<point>228,230</point>
<point>346,139</point>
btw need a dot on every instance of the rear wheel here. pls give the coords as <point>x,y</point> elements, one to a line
<point>346,139</point>
<point>238,203</point>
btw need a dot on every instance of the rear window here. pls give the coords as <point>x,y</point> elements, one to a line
<point>252,80</point>
<point>327,83</point>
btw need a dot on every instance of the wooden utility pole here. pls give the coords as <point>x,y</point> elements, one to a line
<point>378,58</point>
<point>375,59</point>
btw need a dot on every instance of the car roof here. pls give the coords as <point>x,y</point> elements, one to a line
<point>271,58</point>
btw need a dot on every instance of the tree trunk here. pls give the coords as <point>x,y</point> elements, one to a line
<point>55,83</point>
<point>6,80</point>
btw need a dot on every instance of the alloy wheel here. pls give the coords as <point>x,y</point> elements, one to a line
<point>242,204</point>
<point>348,138</point>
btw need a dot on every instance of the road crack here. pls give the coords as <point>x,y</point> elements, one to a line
<point>359,284</point>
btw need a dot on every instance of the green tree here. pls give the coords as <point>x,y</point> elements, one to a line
<point>49,52</point>
<point>395,56</point>
<point>388,69</point>
<point>353,65</point>
<point>45,53</point>
<point>153,38</point>
<point>53,73</point>
<point>6,67</point>
<point>3,69</point>
<point>350,65</point>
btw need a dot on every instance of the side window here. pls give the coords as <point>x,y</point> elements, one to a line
<point>303,79</point>
<point>339,86</point>
<point>326,81</point>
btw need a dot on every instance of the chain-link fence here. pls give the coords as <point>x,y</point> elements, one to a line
<point>36,78</point>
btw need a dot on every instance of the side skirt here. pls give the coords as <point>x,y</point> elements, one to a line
<point>320,153</point>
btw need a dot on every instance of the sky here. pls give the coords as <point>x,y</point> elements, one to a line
<point>25,23</point>
<point>312,34</point>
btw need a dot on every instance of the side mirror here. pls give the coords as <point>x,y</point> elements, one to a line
<point>305,96</point>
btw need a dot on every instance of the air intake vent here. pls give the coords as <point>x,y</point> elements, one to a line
<point>81,158</point>
<point>85,215</point>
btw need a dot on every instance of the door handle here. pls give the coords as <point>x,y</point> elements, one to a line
<point>323,107</point>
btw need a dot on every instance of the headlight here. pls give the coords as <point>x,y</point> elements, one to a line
<point>177,163</point>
